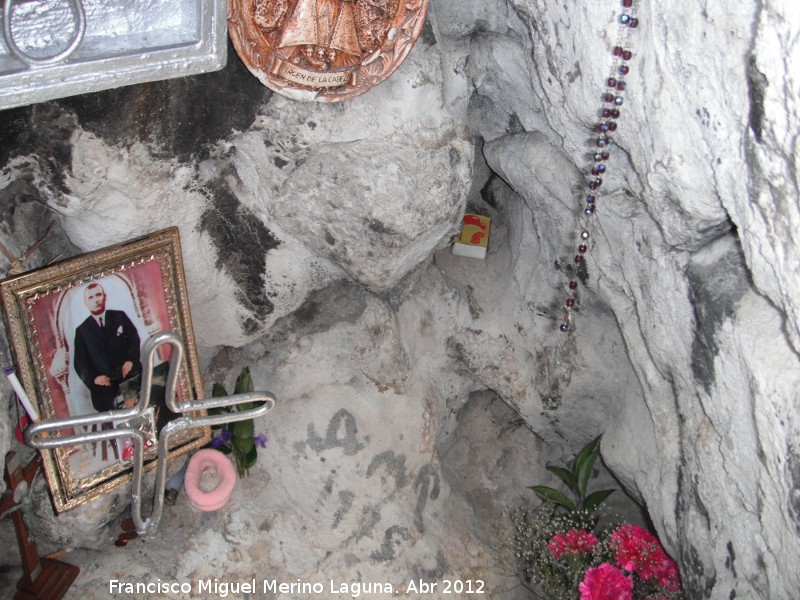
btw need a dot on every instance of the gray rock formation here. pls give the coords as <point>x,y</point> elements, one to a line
<point>420,393</point>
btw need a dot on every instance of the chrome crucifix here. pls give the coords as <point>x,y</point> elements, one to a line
<point>36,435</point>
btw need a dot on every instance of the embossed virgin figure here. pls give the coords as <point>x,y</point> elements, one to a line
<point>321,46</point>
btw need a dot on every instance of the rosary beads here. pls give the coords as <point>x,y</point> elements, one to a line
<point>612,100</point>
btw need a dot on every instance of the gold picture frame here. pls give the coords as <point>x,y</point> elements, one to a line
<point>51,314</point>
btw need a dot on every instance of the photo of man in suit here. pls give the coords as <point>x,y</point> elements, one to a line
<point>107,349</point>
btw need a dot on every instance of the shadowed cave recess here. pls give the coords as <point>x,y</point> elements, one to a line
<point>421,394</point>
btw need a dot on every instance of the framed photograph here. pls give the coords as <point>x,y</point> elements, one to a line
<point>76,330</point>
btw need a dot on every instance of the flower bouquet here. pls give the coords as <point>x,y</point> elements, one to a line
<point>562,554</point>
<point>238,439</point>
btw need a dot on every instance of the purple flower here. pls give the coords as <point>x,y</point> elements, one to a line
<point>260,440</point>
<point>223,438</point>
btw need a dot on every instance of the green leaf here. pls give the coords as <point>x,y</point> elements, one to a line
<point>553,496</point>
<point>218,391</point>
<point>586,452</point>
<point>594,499</point>
<point>244,383</point>
<point>584,472</point>
<point>243,445</point>
<point>566,476</point>
<point>243,429</point>
<point>251,457</point>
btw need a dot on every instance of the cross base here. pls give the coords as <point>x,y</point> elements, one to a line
<point>51,584</point>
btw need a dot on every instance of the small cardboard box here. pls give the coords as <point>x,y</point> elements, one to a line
<point>474,238</point>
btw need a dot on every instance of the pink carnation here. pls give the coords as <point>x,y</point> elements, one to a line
<point>638,551</point>
<point>577,542</point>
<point>635,549</point>
<point>605,583</point>
<point>666,574</point>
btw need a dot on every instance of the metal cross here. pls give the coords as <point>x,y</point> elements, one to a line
<point>36,435</point>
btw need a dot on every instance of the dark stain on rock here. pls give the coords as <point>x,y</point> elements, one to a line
<point>380,227</point>
<point>427,36</point>
<point>693,574</point>
<point>349,442</point>
<point>279,162</point>
<point>395,466</point>
<point>392,537</point>
<point>24,221</point>
<point>42,131</point>
<point>514,124</point>
<point>454,156</point>
<point>757,84</point>
<point>731,558</point>
<point>793,474</point>
<point>322,309</point>
<point>715,287</point>
<point>179,117</point>
<point>346,498</point>
<point>437,573</point>
<point>242,243</point>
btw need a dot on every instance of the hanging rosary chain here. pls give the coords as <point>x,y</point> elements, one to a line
<point>613,98</point>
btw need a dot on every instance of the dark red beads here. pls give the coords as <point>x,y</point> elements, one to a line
<point>612,98</point>
<point>627,3</point>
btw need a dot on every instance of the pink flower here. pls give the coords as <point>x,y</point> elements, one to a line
<point>575,542</point>
<point>666,574</point>
<point>605,583</point>
<point>635,549</point>
<point>638,551</point>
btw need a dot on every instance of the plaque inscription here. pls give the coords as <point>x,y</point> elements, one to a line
<point>324,50</point>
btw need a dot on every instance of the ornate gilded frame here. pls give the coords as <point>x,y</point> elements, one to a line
<point>38,308</point>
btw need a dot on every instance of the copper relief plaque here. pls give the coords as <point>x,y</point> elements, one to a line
<point>324,50</point>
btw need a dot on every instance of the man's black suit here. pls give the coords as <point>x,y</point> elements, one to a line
<point>102,351</point>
